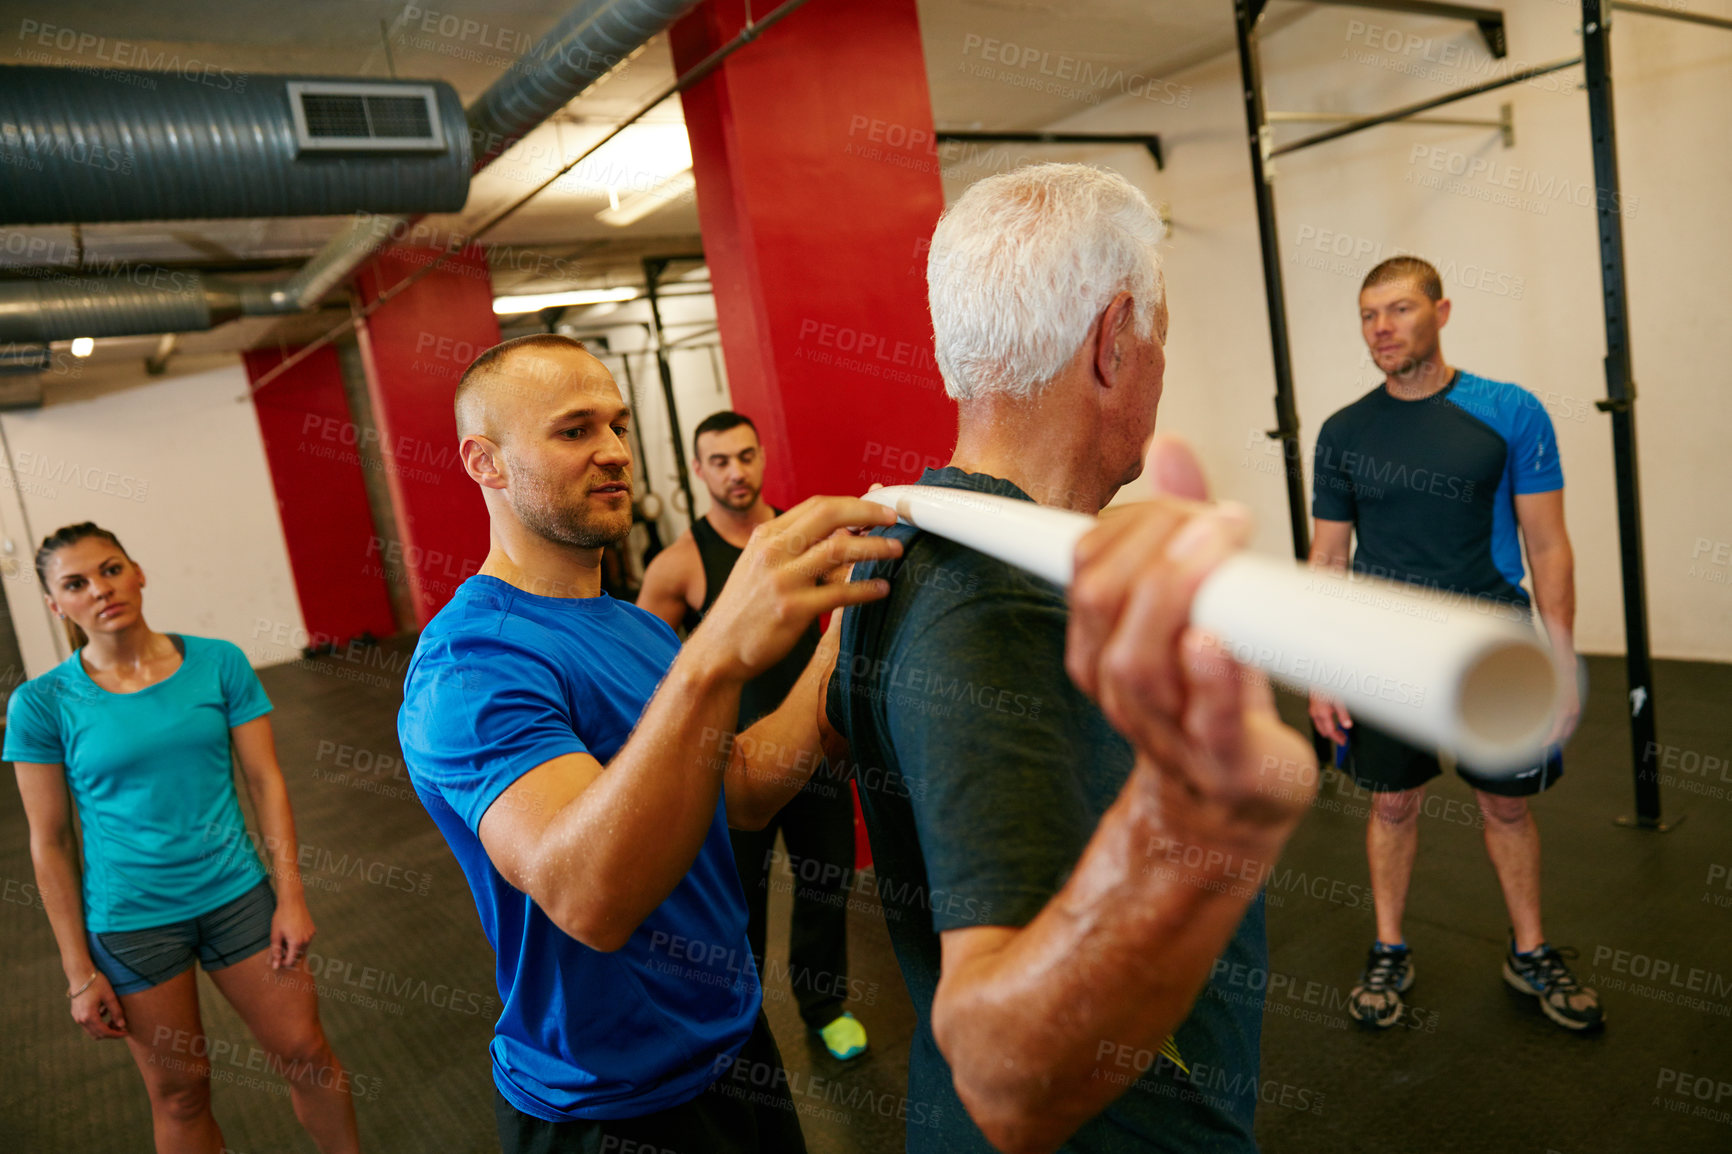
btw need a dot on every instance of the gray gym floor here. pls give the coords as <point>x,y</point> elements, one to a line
<point>407,977</point>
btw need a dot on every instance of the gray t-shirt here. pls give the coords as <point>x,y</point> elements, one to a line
<point>983,772</point>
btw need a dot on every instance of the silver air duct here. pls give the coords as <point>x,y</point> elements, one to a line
<point>87,146</point>
<point>591,40</point>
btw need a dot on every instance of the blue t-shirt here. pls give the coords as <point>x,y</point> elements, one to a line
<point>152,779</point>
<point>504,681</point>
<point>1430,485</point>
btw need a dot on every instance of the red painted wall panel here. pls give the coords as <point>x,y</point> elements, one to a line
<point>818,186</point>
<point>415,348</point>
<point>315,462</point>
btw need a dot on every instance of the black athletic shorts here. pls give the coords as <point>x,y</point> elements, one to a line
<point>1383,763</point>
<point>747,1110</point>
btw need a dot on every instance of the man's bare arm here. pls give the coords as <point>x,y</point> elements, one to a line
<point>774,759</point>
<point>1331,548</point>
<point>1541,517</point>
<point>1331,544</point>
<point>1042,1025</point>
<point>599,847</point>
<point>666,589</point>
<point>1035,1021</point>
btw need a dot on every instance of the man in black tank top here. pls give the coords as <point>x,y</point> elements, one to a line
<point>679,586</point>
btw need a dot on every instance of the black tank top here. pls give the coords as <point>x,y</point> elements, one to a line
<point>769,689</point>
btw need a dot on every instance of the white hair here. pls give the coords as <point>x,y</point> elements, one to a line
<point>1023,264</point>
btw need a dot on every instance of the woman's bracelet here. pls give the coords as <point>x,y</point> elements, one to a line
<point>84,987</point>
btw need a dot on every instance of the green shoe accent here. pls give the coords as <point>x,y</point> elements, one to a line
<point>845,1038</point>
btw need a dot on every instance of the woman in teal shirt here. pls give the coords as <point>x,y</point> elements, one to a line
<point>133,732</point>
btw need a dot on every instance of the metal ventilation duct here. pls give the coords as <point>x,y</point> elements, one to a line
<point>168,300</point>
<point>592,39</point>
<point>584,46</point>
<point>84,147</point>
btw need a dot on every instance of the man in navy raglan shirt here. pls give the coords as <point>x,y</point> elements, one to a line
<point>580,764</point>
<point>1442,476</point>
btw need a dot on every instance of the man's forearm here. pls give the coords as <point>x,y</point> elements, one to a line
<point>770,762</point>
<point>1555,594</point>
<point>1044,1033</point>
<point>1322,558</point>
<point>623,843</point>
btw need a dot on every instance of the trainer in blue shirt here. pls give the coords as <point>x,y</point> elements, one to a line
<point>584,770</point>
<point>1441,475</point>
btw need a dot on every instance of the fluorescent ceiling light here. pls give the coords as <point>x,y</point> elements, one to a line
<point>83,346</point>
<point>636,160</point>
<point>634,208</point>
<point>539,301</point>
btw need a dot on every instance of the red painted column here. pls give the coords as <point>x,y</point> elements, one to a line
<point>415,348</point>
<point>311,446</point>
<point>818,186</point>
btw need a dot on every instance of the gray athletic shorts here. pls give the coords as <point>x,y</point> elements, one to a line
<point>134,960</point>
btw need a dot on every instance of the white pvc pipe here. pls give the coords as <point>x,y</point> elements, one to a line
<point>1450,673</point>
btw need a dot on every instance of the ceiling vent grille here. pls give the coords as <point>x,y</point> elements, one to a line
<point>350,117</point>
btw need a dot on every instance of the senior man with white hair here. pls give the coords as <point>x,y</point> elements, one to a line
<point>1077,915</point>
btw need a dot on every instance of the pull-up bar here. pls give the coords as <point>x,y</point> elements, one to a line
<point>1412,110</point>
<point>1484,17</point>
<point>1148,140</point>
<point>1505,122</point>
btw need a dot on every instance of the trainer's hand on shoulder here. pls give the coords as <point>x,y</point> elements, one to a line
<point>1222,762</point>
<point>774,591</point>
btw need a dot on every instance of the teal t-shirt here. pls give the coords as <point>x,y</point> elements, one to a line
<point>152,779</point>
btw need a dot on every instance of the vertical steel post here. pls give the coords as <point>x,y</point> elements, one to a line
<point>1620,404</point>
<point>653,267</point>
<point>1286,430</point>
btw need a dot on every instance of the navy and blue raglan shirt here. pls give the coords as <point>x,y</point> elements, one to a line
<point>1430,485</point>
<point>503,681</point>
